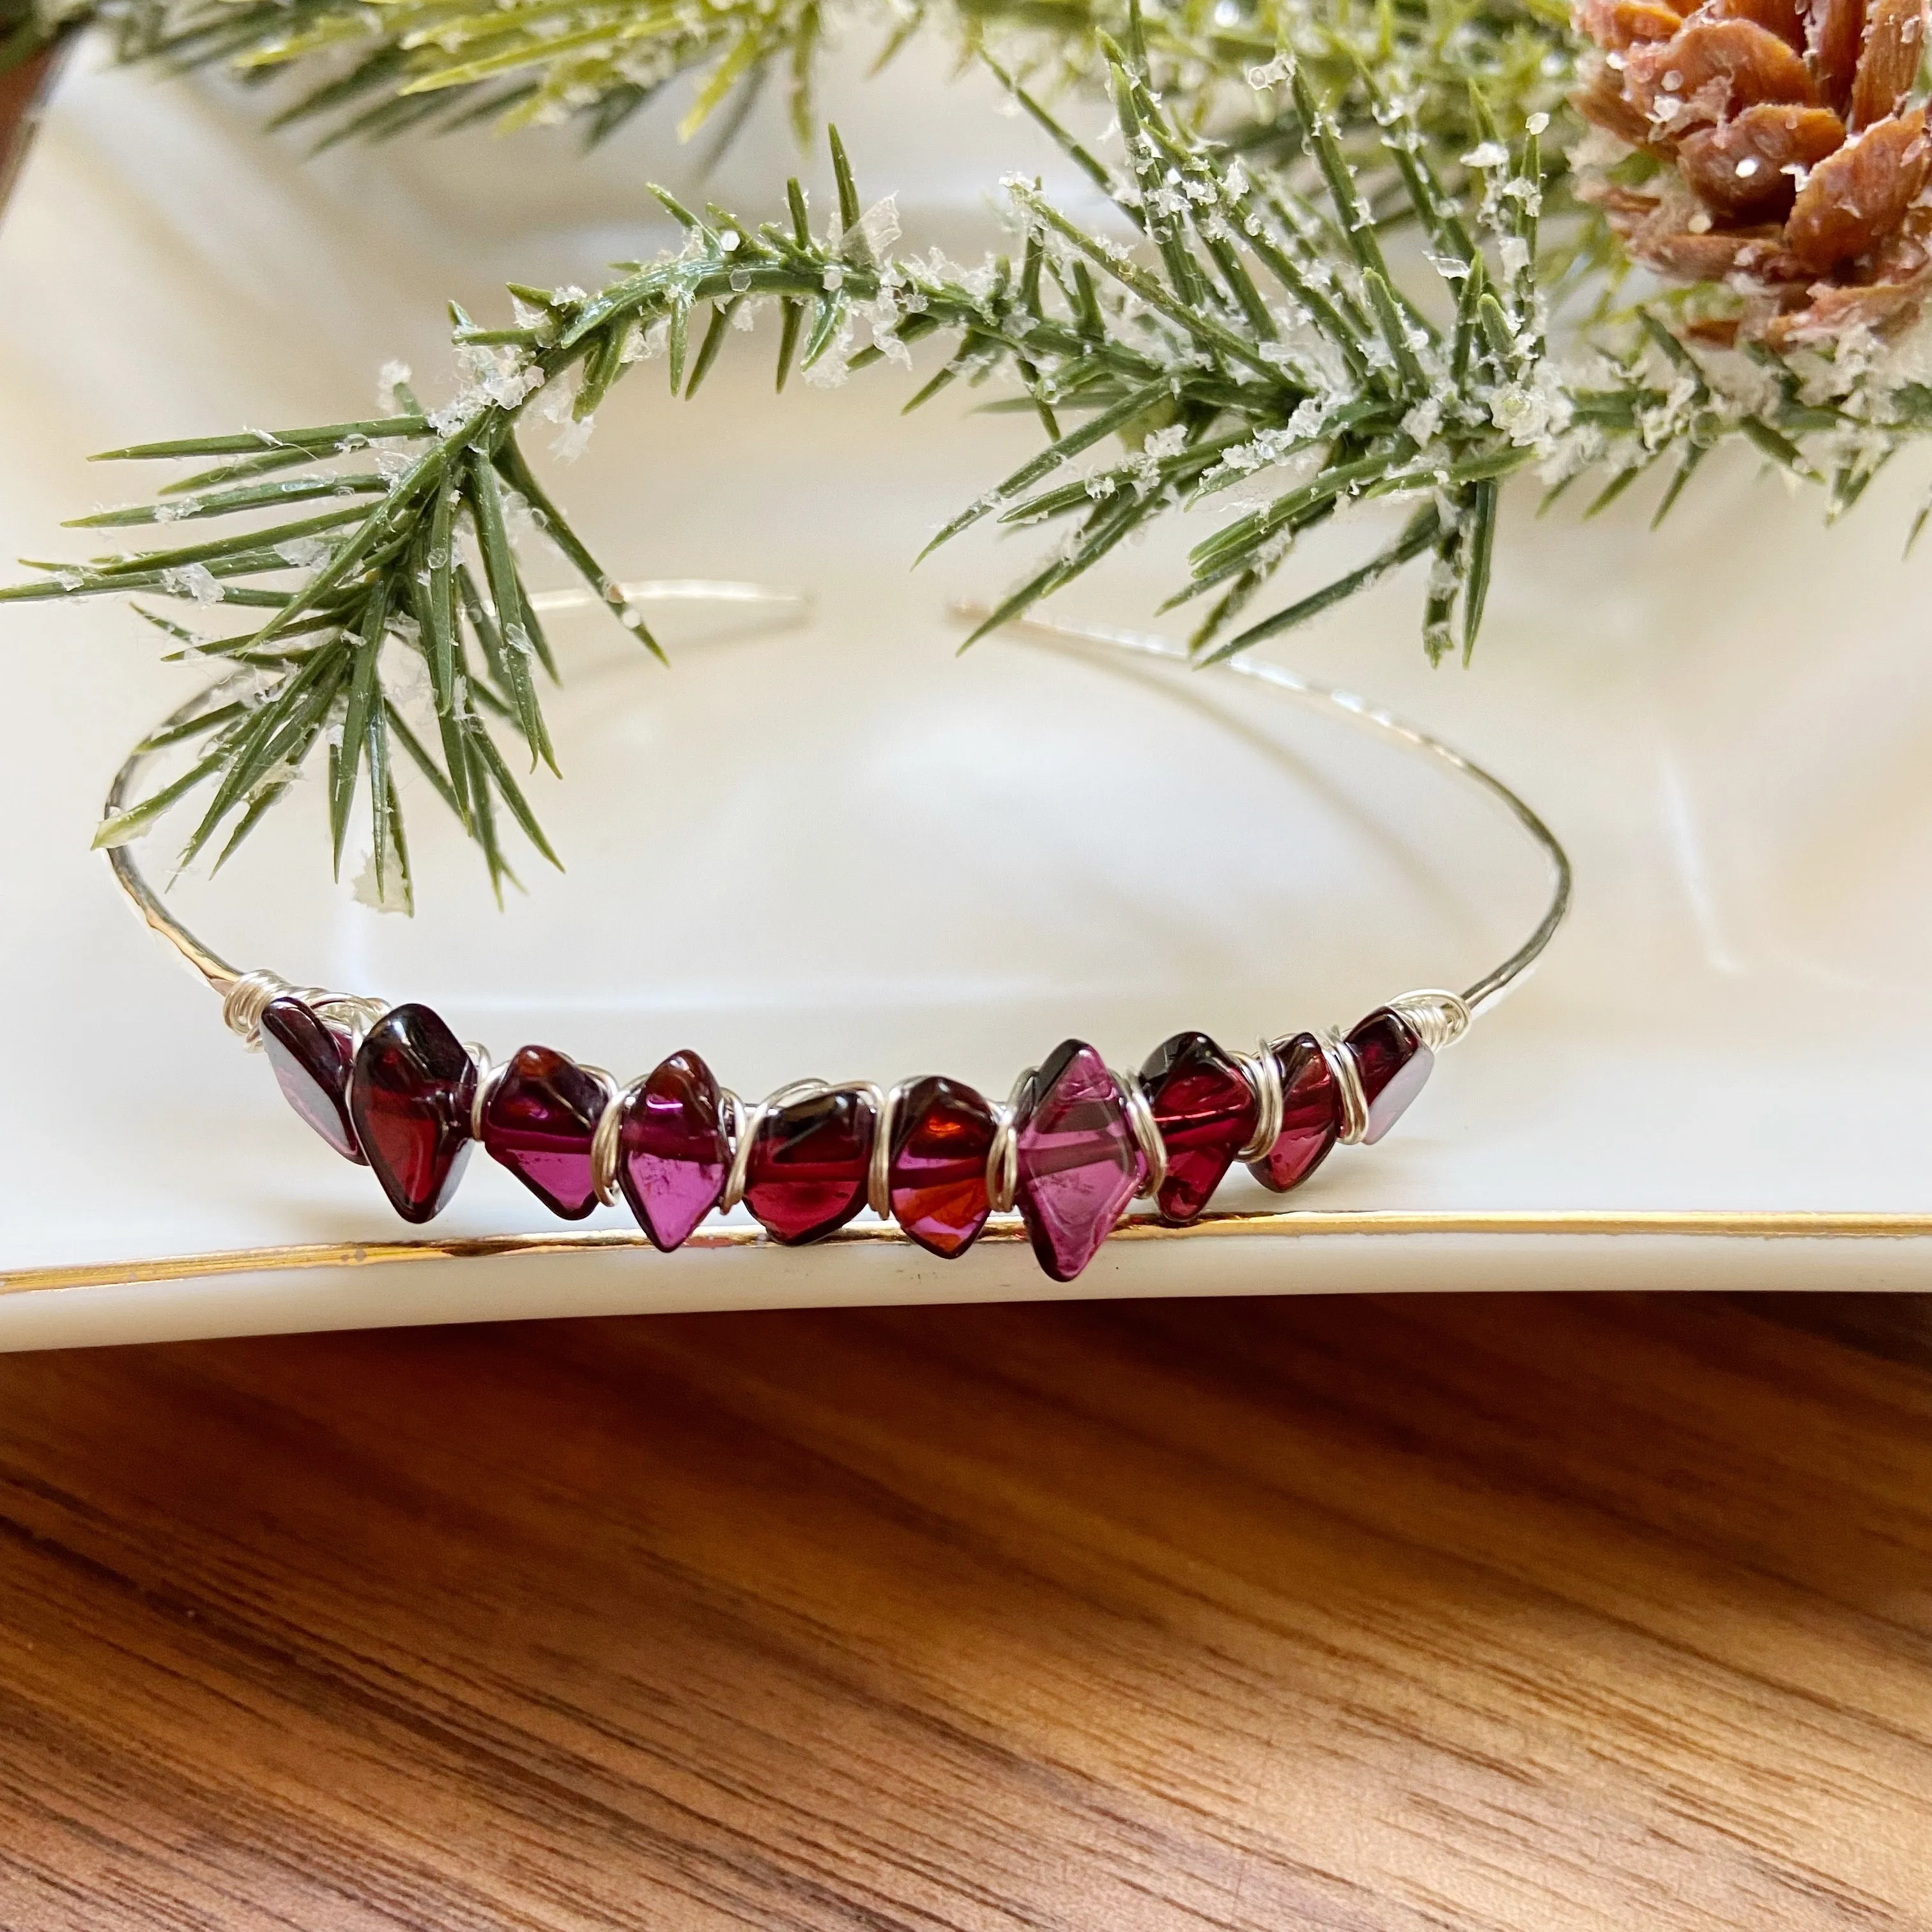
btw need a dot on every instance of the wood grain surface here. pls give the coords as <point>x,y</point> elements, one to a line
<point>1520,1614</point>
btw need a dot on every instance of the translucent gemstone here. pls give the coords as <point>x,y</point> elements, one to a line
<point>942,1133</point>
<point>409,1098</point>
<point>311,1058</point>
<point>1395,1066</point>
<point>1311,1117</point>
<point>1079,1164</point>
<point>808,1165</point>
<point>1205,1110</point>
<point>672,1154</point>
<point>538,1122</point>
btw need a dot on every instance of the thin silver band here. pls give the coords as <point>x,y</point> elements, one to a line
<point>245,994</point>
<point>1484,991</point>
<point>1439,1017</point>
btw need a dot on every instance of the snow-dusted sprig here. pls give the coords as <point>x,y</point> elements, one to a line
<point>1261,330</point>
<point>373,71</point>
<point>1373,399</point>
<point>1662,401</point>
<point>401,554</point>
<point>1256,337</point>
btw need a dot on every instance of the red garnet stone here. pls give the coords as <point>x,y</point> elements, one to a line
<point>1311,1117</point>
<point>1395,1066</point>
<point>1205,1110</point>
<point>409,1098</point>
<point>311,1058</point>
<point>942,1134</point>
<point>538,1122</point>
<point>809,1163</point>
<point>1079,1164</point>
<point>672,1154</point>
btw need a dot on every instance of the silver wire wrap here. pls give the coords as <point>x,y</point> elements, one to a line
<point>1262,1072</point>
<point>488,1079</point>
<point>1140,1117</point>
<point>604,1142</point>
<point>1347,1076</point>
<point>879,1174</point>
<point>251,995</point>
<point>246,1001</point>
<point>1439,1019</point>
<point>1002,1157</point>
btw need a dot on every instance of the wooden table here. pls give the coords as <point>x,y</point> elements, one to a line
<point>1537,1612</point>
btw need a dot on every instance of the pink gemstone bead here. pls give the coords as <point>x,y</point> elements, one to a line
<point>1205,1110</point>
<point>672,1154</point>
<point>538,1122</point>
<point>1079,1164</point>
<point>942,1134</point>
<point>1395,1067</point>
<point>311,1059</point>
<point>808,1167</point>
<point>409,1098</point>
<point>1311,1117</point>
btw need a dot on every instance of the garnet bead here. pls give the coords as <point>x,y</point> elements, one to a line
<point>809,1163</point>
<point>409,1098</point>
<point>1078,1163</point>
<point>942,1134</point>
<point>312,1058</point>
<point>1205,1110</point>
<point>538,1122</point>
<point>672,1154</point>
<point>1395,1066</point>
<point>1311,1116</point>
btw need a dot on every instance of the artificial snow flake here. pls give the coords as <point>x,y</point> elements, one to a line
<point>194,581</point>
<point>386,894</point>
<point>571,441</point>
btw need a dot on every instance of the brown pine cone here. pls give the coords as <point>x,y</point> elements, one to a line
<point>1795,172</point>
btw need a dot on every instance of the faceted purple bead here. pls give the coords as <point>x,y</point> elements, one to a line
<point>809,1164</point>
<point>1079,1164</point>
<point>1205,1110</point>
<point>311,1058</point>
<point>672,1154</point>
<point>410,1099</point>
<point>1311,1117</point>
<point>1395,1066</point>
<point>539,1121</point>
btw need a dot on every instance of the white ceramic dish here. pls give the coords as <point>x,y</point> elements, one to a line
<point>838,849</point>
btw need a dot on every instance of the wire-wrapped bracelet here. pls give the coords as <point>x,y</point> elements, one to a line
<point>1074,1144</point>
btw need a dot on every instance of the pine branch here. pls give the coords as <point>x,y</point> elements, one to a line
<point>1258,338</point>
<point>375,72</point>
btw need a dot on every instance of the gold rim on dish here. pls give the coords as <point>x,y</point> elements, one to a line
<point>1737,1224</point>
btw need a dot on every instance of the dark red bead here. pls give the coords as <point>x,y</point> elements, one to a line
<point>942,1134</point>
<point>1395,1066</point>
<point>1205,1110</point>
<point>409,1098</point>
<point>672,1154</point>
<point>809,1162</point>
<point>1311,1117</point>
<point>538,1122</point>
<point>1079,1164</point>
<point>311,1057</point>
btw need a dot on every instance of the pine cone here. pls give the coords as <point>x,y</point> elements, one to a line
<point>1795,173</point>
